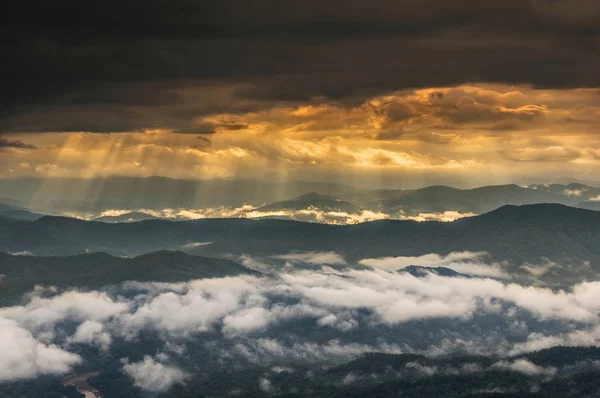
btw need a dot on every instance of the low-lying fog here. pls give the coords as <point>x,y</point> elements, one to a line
<point>293,316</point>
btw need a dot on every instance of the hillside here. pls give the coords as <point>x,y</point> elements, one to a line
<point>478,200</point>
<point>312,200</point>
<point>22,273</point>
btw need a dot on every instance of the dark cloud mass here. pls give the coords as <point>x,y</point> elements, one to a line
<point>105,66</point>
<point>4,143</point>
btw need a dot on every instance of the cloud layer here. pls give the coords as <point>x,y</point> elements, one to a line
<point>438,135</point>
<point>310,214</point>
<point>25,357</point>
<point>252,316</point>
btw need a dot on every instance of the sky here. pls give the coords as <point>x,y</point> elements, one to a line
<point>378,93</point>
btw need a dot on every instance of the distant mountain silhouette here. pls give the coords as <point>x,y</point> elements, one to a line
<point>313,200</point>
<point>96,195</point>
<point>59,195</point>
<point>22,215</point>
<point>439,199</point>
<point>18,213</point>
<point>577,191</point>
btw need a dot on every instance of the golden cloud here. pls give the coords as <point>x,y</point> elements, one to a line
<point>465,130</point>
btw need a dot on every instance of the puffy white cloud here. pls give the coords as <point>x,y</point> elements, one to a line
<point>574,192</point>
<point>421,369</point>
<point>195,310</point>
<point>243,304</point>
<point>340,324</point>
<point>246,320</point>
<point>586,337</point>
<point>265,385</point>
<point>345,300</point>
<point>151,375</point>
<point>526,367</point>
<point>22,356</point>
<point>40,312</point>
<point>537,270</point>
<point>91,332</point>
<point>432,260</point>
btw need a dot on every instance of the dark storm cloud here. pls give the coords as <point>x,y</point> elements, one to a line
<point>130,57</point>
<point>4,143</point>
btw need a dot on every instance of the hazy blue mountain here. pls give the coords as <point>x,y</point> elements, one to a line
<point>312,200</point>
<point>18,213</point>
<point>6,207</point>
<point>56,195</point>
<point>22,215</point>
<point>590,205</point>
<point>440,198</point>
<point>575,191</point>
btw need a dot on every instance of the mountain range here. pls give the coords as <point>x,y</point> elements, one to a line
<point>529,234</point>
<point>85,197</point>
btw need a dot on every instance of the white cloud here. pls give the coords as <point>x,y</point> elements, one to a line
<point>421,369</point>
<point>574,192</point>
<point>309,214</point>
<point>21,253</point>
<point>91,332</point>
<point>345,300</point>
<point>243,304</point>
<point>341,324</point>
<point>112,213</point>
<point>22,356</point>
<point>151,375</point>
<point>203,303</point>
<point>447,216</point>
<point>537,270</point>
<point>195,244</point>
<point>469,263</point>
<point>526,367</point>
<point>246,320</point>
<point>268,350</point>
<point>587,337</point>
<point>265,385</point>
<point>41,312</point>
<point>314,258</point>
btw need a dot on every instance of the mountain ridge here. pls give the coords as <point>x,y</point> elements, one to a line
<point>94,270</point>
